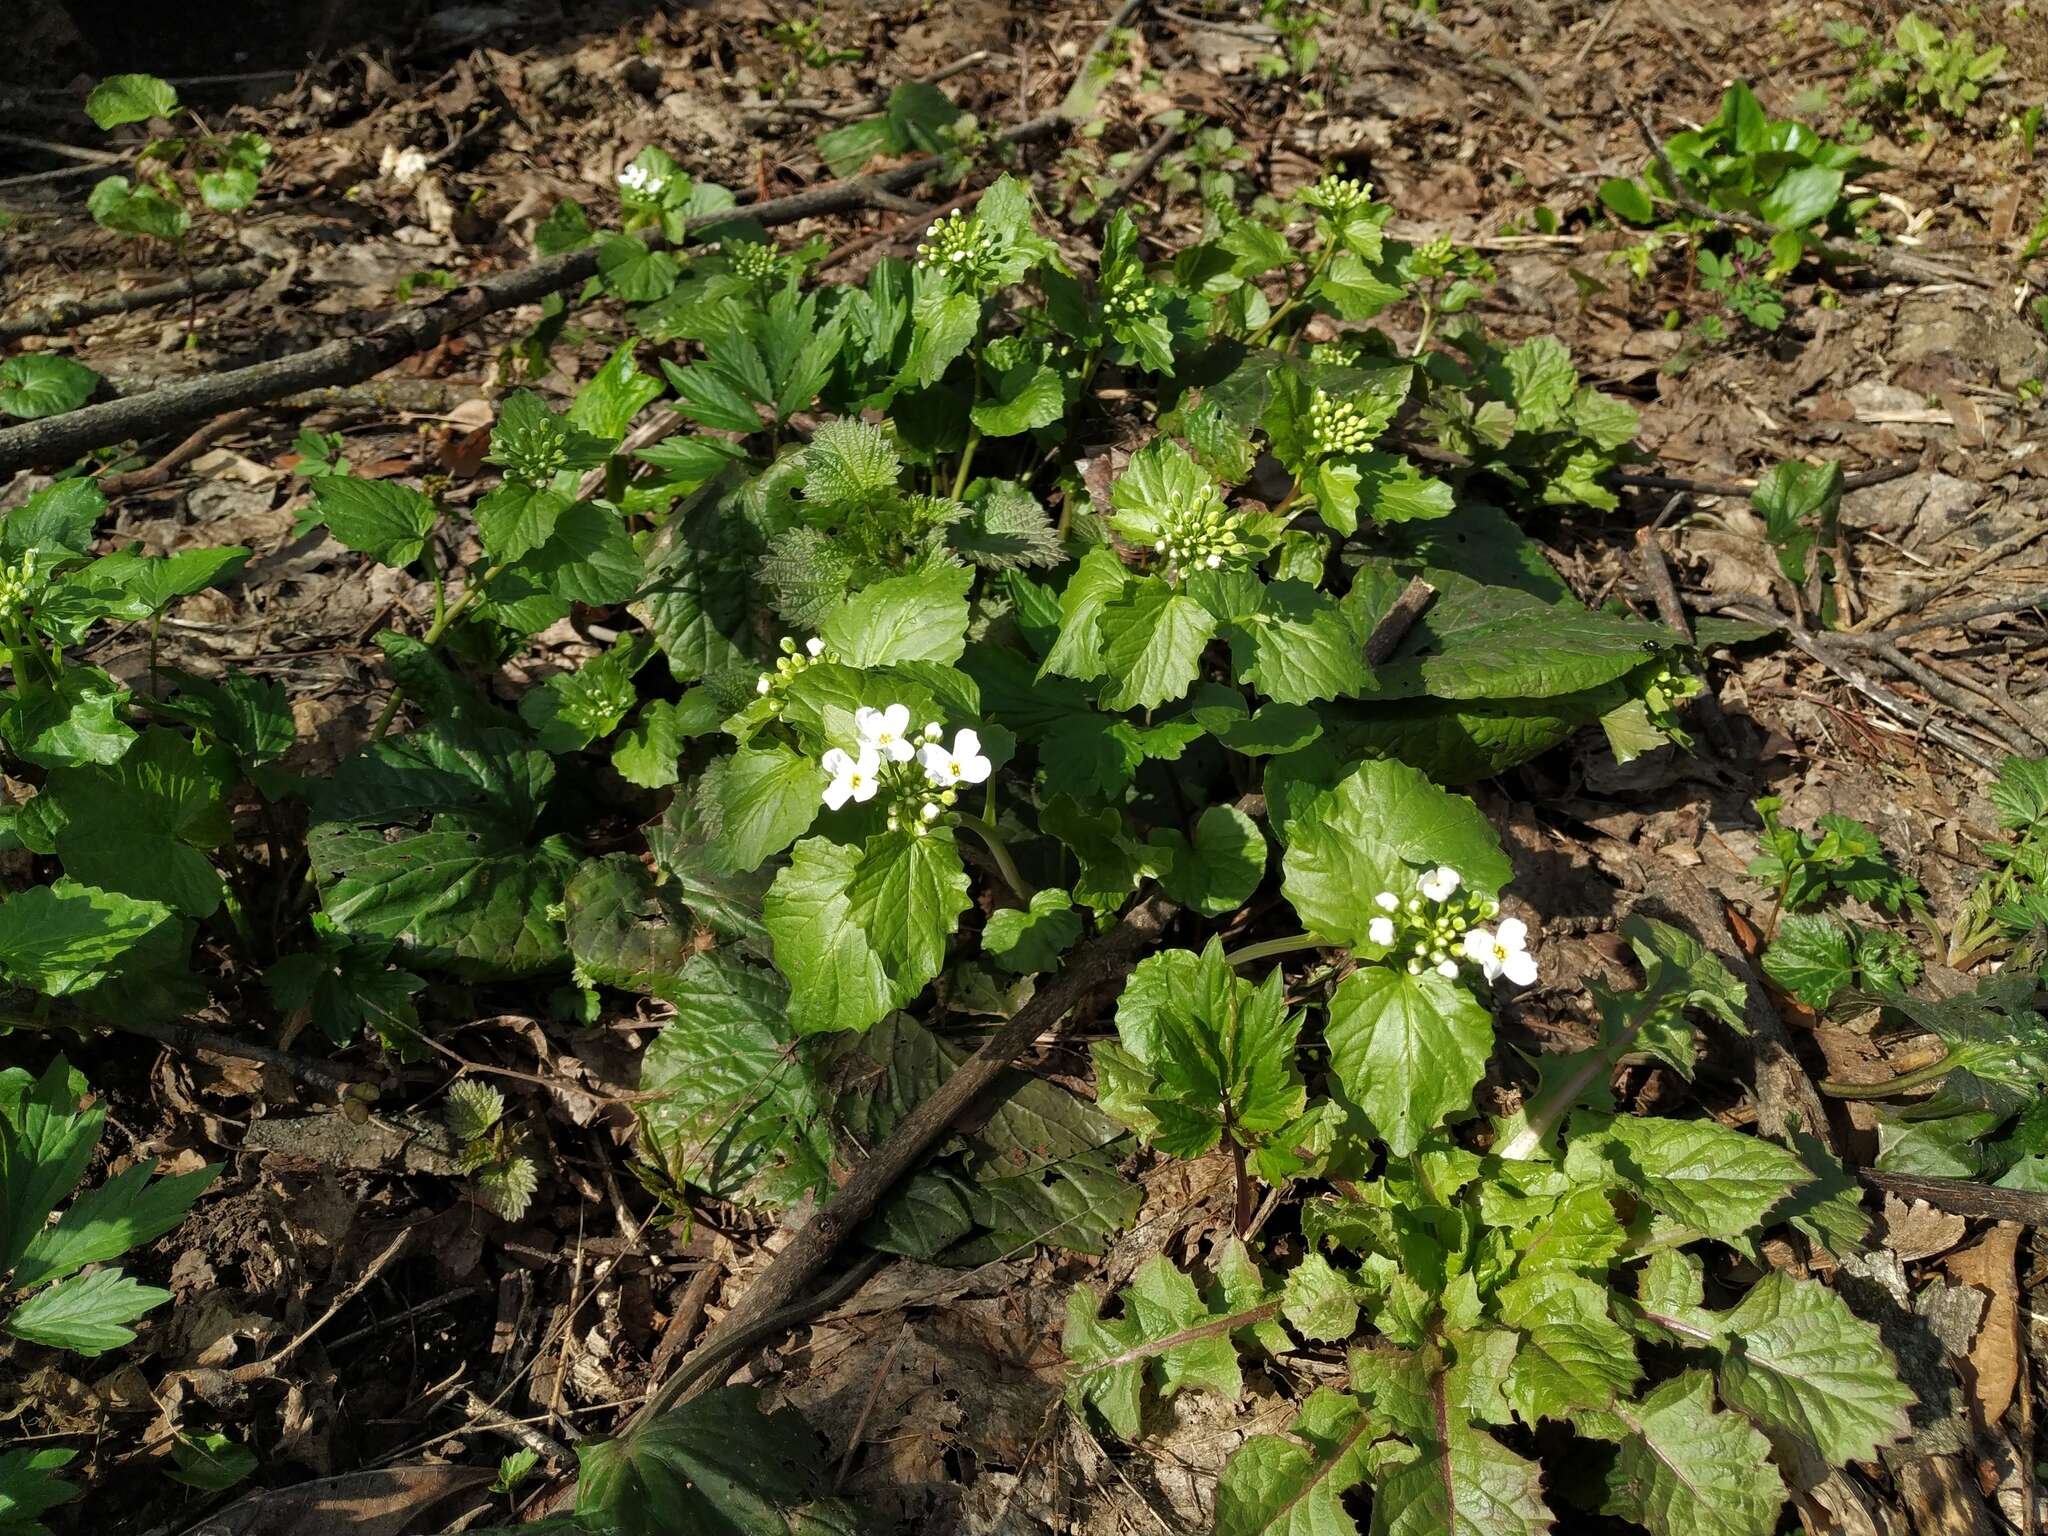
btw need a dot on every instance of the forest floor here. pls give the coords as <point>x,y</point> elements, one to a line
<point>939,1389</point>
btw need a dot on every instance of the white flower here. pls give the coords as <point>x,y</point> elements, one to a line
<point>885,730</point>
<point>1380,930</point>
<point>403,166</point>
<point>1503,953</point>
<point>1438,884</point>
<point>1448,969</point>
<point>764,684</point>
<point>814,648</point>
<point>1387,901</point>
<point>963,765</point>
<point>853,778</point>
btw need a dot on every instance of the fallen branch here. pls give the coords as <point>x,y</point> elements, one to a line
<point>354,359</point>
<point>1395,623</point>
<point>780,1285</point>
<point>1962,1197</point>
<point>1742,488</point>
<point>70,312</point>
<point>162,470</point>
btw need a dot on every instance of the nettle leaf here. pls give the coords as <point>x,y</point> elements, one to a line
<point>1295,1485</point>
<point>859,931</point>
<point>1205,1057</point>
<point>1007,528</point>
<point>1378,830</point>
<point>738,1110</point>
<point>919,617</point>
<point>1686,1469</point>
<point>379,518</point>
<point>122,99</point>
<point>38,384</point>
<point>1023,940</point>
<point>1719,1182</point>
<point>1153,638</point>
<point>1408,1049</point>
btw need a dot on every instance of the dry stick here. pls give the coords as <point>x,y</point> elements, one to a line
<point>1742,488</point>
<point>70,312</point>
<point>63,151</point>
<point>1105,959</point>
<point>1919,600</point>
<point>1942,691</point>
<point>1395,623</point>
<point>525,1436</point>
<point>682,1327</point>
<point>357,358</point>
<point>190,1037</point>
<point>1142,167</point>
<point>1962,1197</point>
<point>190,448</point>
<point>256,1370</point>
<point>1656,571</point>
<point>1852,674</point>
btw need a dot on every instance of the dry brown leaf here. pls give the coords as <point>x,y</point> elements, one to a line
<point>1994,1366</point>
<point>1919,1231</point>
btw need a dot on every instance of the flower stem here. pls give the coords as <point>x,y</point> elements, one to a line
<point>986,831</point>
<point>1905,1082</point>
<point>443,621</point>
<point>966,461</point>
<point>1269,948</point>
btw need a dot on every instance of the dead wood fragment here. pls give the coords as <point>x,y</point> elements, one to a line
<point>70,312</point>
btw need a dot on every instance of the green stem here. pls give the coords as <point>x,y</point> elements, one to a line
<point>986,831</point>
<point>1428,323</point>
<point>1294,299</point>
<point>1269,948</point>
<point>444,619</point>
<point>1905,1082</point>
<point>966,461</point>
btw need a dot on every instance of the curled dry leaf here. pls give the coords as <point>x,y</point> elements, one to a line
<point>1994,1369</point>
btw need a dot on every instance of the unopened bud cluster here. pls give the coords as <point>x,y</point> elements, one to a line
<point>1126,296</point>
<point>1428,930</point>
<point>755,262</point>
<point>959,244</point>
<point>1202,536</point>
<point>1336,426</point>
<point>792,661</point>
<point>18,585</point>
<point>534,454</point>
<point>1339,194</point>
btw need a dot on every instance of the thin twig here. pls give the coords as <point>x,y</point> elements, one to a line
<point>1942,691</point>
<point>520,1433</point>
<point>1981,561</point>
<point>161,471</point>
<point>1962,1197</point>
<point>255,1370</point>
<point>1395,623</point>
<point>69,312</point>
<point>1142,167</point>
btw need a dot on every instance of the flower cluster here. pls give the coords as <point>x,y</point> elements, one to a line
<point>959,244</point>
<point>755,262</point>
<point>921,775</point>
<point>1127,296</point>
<point>788,664</point>
<point>1439,930</point>
<point>1203,535</point>
<point>638,178</point>
<point>1336,426</point>
<point>18,584</point>
<point>1338,194</point>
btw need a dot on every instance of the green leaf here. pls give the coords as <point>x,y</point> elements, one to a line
<point>28,1488</point>
<point>1099,578</point>
<point>1302,645</point>
<point>46,1140</point>
<point>738,1110</point>
<point>472,901</point>
<point>861,931</point>
<point>65,937</point>
<point>128,1210</point>
<point>1408,1049</point>
<point>1717,1181</point>
<point>1164,1327</point>
<point>1572,1354</point>
<point>348,988</point>
<point>229,190</point>
<point>515,519</point>
<point>1024,940</point>
<point>1109,860</point>
<point>1687,1470</point>
<point>1801,195</point>
<point>141,825</point>
<point>2020,794</point>
<point>1275,1486</point>
<point>1319,1300</point>
<point>757,802</point>
<point>379,518</point>
<point>210,1461</point>
<point>1007,528</point>
<point>77,721</point>
<point>87,1313</point>
<point>59,516</point>
<point>1467,1484</point>
<point>716,1464</point>
<point>1078,1203</point>
<point>636,274</point>
<point>37,384</point>
<point>250,716</point>
<point>623,929</point>
<point>945,325</point>
<point>919,617</point>
<point>1025,397</point>
<point>1627,198</point>
<point>1378,830</point>
<point>589,558</point>
<point>1153,641</point>
<point>648,751</point>
<point>1811,957</point>
<point>122,99</point>
<point>136,210</point>
<point>1799,504</point>
<point>1798,1361</point>
<point>610,398</point>
<point>1223,866</point>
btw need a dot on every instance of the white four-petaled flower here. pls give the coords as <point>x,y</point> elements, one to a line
<point>853,778</point>
<point>1380,930</point>
<point>1387,901</point>
<point>887,731</point>
<point>1440,882</point>
<point>1503,952</point>
<point>963,765</point>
